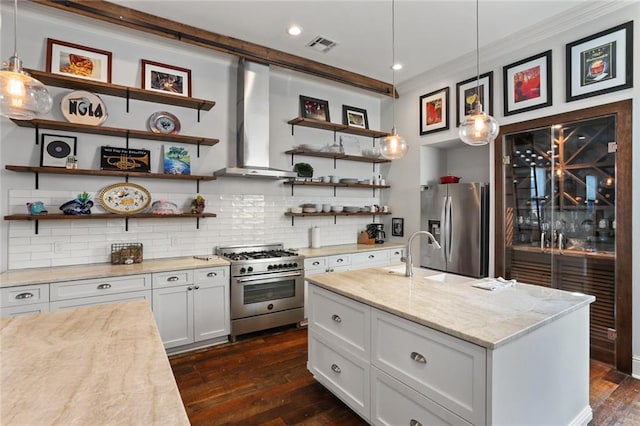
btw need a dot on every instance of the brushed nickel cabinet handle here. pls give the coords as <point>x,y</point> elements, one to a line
<point>197,287</point>
<point>395,253</point>
<point>340,260</point>
<point>316,263</point>
<point>336,318</point>
<point>418,358</point>
<point>190,288</point>
<point>104,286</point>
<point>371,256</point>
<point>171,279</point>
<point>24,296</point>
<point>414,422</point>
<point>212,274</point>
<point>335,368</point>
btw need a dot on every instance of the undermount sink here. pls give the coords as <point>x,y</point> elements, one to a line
<point>429,275</point>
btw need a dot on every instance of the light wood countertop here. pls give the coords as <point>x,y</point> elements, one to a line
<point>449,303</point>
<point>346,248</point>
<point>17,277</point>
<point>98,365</point>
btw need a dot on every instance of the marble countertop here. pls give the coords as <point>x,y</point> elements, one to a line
<point>17,277</point>
<point>103,364</point>
<point>346,248</point>
<point>449,303</point>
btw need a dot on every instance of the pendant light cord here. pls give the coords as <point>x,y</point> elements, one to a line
<point>393,60</point>
<point>15,28</point>
<point>477,56</point>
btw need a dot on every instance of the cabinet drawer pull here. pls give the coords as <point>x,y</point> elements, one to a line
<point>212,274</point>
<point>340,260</point>
<point>396,253</point>
<point>104,286</point>
<point>414,422</point>
<point>316,263</point>
<point>418,358</point>
<point>336,318</point>
<point>197,287</point>
<point>330,270</point>
<point>335,368</point>
<point>171,279</point>
<point>189,288</point>
<point>24,296</point>
<point>371,256</point>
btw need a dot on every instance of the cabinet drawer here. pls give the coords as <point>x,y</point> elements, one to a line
<point>343,374</point>
<point>445,369</point>
<point>209,275</point>
<point>393,403</point>
<point>396,255</point>
<point>341,319</point>
<point>99,286</point>
<point>370,258</point>
<point>15,311</point>
<point>339,260</point>
<point>316,265</point>
<point>101,300</point>
<point>24,295</point>
<point>173,278</point>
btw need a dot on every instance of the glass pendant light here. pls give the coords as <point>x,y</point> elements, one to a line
<point>22,97</point>
<point>393,147</point>
<point>478,128</point>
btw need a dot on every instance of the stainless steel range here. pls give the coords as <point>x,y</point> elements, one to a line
<point>267,287</point>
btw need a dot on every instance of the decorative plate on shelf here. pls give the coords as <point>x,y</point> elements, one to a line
<point>83,107</point>
<point>164,122</point>
<point>124,198</point>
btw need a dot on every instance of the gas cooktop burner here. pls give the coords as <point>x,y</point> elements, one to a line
<point>269,254</point>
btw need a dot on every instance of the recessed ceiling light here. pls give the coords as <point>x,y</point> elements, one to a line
<point>294,30</point>
<point>396,67</point>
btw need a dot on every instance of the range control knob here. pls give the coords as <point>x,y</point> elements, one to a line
<point>250,269</point>
<point>243,270</point>
<point>270,267</point>
<point>295,264</point>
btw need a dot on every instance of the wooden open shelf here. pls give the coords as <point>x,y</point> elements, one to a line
<point>337,214</point>
<point>114,131</point>
<point>336,185</point>
<point>337,156</point>
<point>104,216</point>
<point>68,82</point>
<point>119,173</point>
<point>335,127</point>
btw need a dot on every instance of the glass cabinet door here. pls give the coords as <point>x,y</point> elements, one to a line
<point>560,215</point>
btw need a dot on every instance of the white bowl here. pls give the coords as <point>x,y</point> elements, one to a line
<point>296,209</point>
<point>337,209</point>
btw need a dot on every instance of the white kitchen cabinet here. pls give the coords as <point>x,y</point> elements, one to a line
<point>23,300</point>
<point>447,370</point>
<point>396,255</point>
<point>416,373</point>
<point>191,306</point>
<point>97,291</point>
<point>394,403</point>
<point>370,259</point>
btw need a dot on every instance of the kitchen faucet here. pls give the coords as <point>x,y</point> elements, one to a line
<point>408,261</point>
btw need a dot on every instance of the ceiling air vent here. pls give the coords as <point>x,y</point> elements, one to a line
<point>321,44</point>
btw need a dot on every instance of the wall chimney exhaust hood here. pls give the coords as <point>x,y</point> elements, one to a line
<point>252,146</point>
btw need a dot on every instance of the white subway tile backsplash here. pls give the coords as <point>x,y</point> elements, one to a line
<point>241,219</point>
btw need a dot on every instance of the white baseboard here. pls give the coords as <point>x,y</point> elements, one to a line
<point>635,367</point>
<point>583,418</point>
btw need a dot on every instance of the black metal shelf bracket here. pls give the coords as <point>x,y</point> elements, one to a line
<point>127,100</point>
<point>37,180</point>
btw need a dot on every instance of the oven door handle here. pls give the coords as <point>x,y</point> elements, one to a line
<point>269,276</point>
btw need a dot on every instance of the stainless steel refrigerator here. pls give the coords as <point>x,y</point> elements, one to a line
<point>457,215</point>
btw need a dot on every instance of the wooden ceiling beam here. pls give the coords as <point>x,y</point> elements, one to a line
<point>151,24</point>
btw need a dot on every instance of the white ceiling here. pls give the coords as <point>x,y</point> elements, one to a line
<point>428,32</point>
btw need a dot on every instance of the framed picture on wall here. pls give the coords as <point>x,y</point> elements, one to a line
<point>527,84</point>
<point>78,61</point>
<point>397,227</point>
<point>355,117</point>
<point>316,109</point>
<point>468,91</point>
<point>55,149</point>
<point>434,111</point>
<point>166,78</point>
<point>600,63</point>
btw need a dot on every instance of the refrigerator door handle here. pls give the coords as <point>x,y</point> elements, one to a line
<point>448,237</point>
<point>444,228</point>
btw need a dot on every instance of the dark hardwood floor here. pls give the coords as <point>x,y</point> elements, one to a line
<point>262,379</point>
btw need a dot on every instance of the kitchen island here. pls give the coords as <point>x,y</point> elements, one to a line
<point>103,364</point>
<point>433,348</point>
